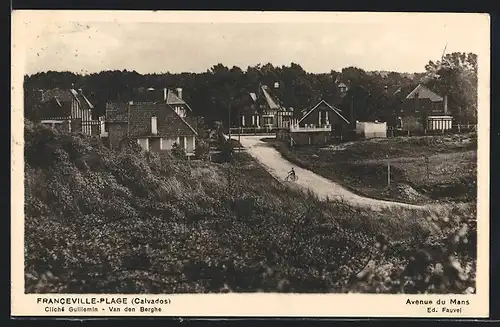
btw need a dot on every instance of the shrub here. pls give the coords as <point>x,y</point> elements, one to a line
<point>227,151</point>
<point>202,150</point>
<point>141,222</point>
<point>178,151</point>
<point>437,264</point>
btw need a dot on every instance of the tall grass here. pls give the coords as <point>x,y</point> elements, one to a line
<point>135,222</point>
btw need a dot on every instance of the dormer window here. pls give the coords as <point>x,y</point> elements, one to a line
<point>180,111</point>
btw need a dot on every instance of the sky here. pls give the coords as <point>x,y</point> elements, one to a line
<point>91,43</point>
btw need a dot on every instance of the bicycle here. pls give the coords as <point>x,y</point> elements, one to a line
<point>291,177</point>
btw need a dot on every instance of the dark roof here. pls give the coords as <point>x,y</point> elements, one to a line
<point>334,109</point>
<point>191,122</point>
<point>63,95</point>
<point>82,99</point>
<point>56,103</point>
<point>53,108</point>
<point>169,123</point>
<point>67,95</point>
<point>116,112</point>
<point>143,94</point>
<point>410,91</point>
<point>424,93</point>
<point>270,98</point>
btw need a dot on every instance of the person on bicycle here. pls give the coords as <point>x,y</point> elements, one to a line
<point>291,174</point>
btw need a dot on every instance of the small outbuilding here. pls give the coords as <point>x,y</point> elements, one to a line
<point>371,129</point>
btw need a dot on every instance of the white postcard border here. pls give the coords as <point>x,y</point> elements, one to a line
<point>258,304</point>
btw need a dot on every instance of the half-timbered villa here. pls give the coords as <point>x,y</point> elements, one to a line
<point>69,109</point>
<point>266,111</point>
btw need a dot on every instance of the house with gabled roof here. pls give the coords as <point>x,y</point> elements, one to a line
<point>249,113</point>
<point>418,108</point>
<point>322,115</point>
<point>69,109</point>
<point>154,125</point>
<point>318,125</point>
<point>173,98</point>
<point>268,110</point>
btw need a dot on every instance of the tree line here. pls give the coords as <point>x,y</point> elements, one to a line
<point>211,93</point>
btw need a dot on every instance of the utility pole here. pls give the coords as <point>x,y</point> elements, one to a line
<point>427,166</point>
<point>229,119</point>
<point>353,122</point>
<point>128,120</point>
<point>388,171</point>
<point>239,129</point>
<point>239,117</point>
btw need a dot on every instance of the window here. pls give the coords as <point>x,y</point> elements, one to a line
<point>180,111</point>
<point>268,120</point>
<point>143,143</point>
<point>154,125</point>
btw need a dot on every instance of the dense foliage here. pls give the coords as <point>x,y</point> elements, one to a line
<point>100,221</point>
<point>212,93</point>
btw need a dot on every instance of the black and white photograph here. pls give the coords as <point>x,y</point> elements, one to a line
<point>330,156</point>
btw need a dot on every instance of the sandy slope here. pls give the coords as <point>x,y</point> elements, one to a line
<point>279,167</point>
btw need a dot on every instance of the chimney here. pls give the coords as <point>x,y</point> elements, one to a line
<point>154,129</point>
<point>179,92</point>
<point>165,91</point>
<point>445,100</point>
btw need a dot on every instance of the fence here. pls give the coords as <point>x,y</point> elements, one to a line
<point>92,127</point>
<point>254,130</point>
<point>455,129</point>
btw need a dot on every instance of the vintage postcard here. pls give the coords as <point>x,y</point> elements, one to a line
<point>312,164</point>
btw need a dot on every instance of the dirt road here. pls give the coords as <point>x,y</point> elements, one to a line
<point>324,188</point>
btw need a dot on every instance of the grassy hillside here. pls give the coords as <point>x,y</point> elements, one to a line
<point>98,221</point>
<point>448,174</point>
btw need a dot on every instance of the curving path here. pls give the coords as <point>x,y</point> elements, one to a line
<point>324,188</point>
